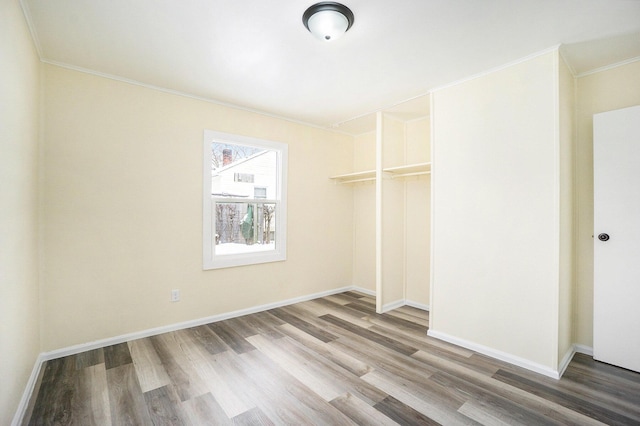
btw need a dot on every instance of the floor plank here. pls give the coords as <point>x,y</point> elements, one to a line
<point>304,369</point>
<point>126,400</point>
<point>53,403</point>
<point>204,410</point>
<point>283,398</point>
<point>92,403</point>
<point>164,406</point>
<point>328,361</point>
<point>89,358</point>
<point>231,337</point>
<point>170,347</point>
<point>402,413</point>
<point>371,335</point>
<point>253,417</point>
<point>219,383</point>
<point>291,318</point>
<point>208,339</point>
<point>117,355</point>
<point>349,363</point>
<point>428,398</point>
<point>148,366</point>
<point>361,412</point>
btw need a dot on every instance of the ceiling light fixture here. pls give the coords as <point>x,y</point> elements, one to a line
<point>328,20</point>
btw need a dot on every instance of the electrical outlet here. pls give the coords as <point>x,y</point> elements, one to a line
<point>175,295</point>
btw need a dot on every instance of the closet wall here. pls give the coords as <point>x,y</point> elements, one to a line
<point>390,197</point>
<point>391,193</point>
<point>364,208</point>
<point>417,213</point>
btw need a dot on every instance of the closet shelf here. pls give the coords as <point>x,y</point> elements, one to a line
<point>408,170</point>
<point>395,172</point>
<point>355,177</point>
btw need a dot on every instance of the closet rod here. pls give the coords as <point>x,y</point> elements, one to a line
<point>355,180</point>
<point>399,175</point>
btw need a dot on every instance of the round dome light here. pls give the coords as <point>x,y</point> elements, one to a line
<point>328,21</point>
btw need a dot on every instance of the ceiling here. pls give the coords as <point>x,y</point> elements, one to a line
<point>257,54</point>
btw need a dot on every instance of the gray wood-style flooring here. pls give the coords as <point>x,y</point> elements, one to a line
<point>330,361</point>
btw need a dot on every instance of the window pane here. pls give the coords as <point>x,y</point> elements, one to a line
<point>244,227</point>
<point>237,170</point>
<point>259,192</point>
<point>245,201</point>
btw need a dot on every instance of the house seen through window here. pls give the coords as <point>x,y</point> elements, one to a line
<point>245,207</point>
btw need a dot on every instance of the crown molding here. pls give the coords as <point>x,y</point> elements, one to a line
<point>186,95</point>
<point>498,68</point>
<point>608,67</point>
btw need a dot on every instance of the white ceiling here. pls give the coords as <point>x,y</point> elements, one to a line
<point>256,54</point>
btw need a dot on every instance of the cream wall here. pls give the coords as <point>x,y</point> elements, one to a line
<point>364,213</point>
<point>603,91</point>
<point>123,211</point>
<point>19,118</point>
<point>392,215</point>
<point>417,239</point>
<point>566,198</point>
<point>496,219</point>
<point>417,214</point>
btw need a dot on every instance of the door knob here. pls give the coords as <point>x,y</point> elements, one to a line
<point>603,237</point>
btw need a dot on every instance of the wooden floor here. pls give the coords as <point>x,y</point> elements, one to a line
<point>331,361</point>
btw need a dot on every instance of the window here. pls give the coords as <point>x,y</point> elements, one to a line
<point>259,192</point>
<point>243,177</point>
<point>244,204</point>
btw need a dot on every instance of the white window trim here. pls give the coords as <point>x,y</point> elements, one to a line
<point>209,258</point>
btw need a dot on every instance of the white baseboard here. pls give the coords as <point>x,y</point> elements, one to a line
<point>564,362</point>
<point>393,305</point>
<point>583,349</point>
<point>494,353</point>
<point>365,291</point>
<point>28,391</point>
<point>404,302</point>
<point>575,349</point>
<point>83,347</point>
<point>416,305</point>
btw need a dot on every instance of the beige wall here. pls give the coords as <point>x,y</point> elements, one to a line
<point>603,91</point>
<point>417,212</point>
<point>392,211</point>
<point>417,239</point>
<point>123,211</point>
<point>19,117</point>
<point>566,196</point>
<point>364,213</point>
<point>496,218</point>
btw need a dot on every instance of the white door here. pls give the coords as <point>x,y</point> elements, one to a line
<point>616,164</point>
